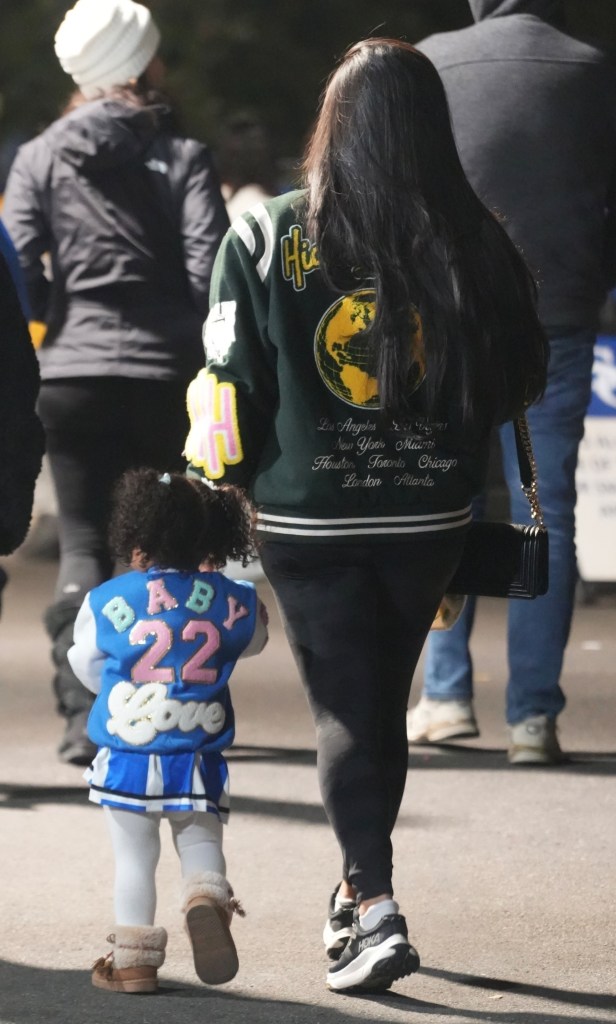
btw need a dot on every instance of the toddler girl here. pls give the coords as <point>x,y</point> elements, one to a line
<point>157,646</point>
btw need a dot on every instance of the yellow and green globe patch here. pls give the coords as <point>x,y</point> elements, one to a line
<point>343,356</point>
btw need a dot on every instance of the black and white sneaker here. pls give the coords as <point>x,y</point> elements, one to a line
<point>373,960</point>
<point>338,927</point>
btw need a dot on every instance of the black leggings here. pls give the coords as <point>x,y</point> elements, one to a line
<point>97,427</point>
<point>356,618</point>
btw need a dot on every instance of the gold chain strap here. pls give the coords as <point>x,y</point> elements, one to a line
<point>531,492</point>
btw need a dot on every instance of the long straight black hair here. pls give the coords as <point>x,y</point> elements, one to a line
<point>388,202</point>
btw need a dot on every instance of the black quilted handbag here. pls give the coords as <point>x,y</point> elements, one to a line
<point>508,559</point>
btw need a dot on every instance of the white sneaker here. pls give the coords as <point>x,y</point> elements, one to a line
<point>534,741</point>
<point>433,721</point>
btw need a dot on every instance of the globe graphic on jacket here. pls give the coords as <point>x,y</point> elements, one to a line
<point>343,356</point>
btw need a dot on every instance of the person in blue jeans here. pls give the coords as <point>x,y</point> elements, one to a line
<point>523,95</point>
<point>537,630</point>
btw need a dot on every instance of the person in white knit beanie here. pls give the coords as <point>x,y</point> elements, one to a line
<point>126,214</point>
<point>106,43</point>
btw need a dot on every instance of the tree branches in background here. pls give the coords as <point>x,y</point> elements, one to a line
<point>265,58</point>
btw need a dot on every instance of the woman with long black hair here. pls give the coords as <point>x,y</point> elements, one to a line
<point>364,335</point>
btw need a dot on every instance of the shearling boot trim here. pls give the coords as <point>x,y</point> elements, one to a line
<point>209,904</point>
<point>215,887</point>
<point>138,946</point>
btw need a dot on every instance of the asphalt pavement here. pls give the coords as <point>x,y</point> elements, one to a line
<point>506,875</point>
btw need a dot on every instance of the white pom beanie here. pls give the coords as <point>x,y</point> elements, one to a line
<point>102,43</point>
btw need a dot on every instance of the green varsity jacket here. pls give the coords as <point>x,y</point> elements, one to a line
<point>287,407</point>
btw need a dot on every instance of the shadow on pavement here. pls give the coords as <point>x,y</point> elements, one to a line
<point>19,798</point>
<point>31,995</point>
<point>16,797</point>
<point>278,755</point>
<point>450,756</point>
<point>596,1000</point>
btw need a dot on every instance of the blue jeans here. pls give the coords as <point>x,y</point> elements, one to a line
<point>538,630</point>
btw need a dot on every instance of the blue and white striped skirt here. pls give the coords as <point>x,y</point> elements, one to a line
<point>160,782</point>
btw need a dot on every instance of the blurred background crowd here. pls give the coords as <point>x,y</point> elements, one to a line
<point>235,58</point>
<point>244,79</point>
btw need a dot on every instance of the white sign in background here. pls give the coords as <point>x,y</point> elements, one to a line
<point>596,474</point>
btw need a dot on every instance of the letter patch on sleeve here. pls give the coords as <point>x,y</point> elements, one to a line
<point>219,331</point>
<point>214,438</point>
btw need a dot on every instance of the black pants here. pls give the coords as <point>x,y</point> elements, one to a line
<point>96,428</point>
<point>356,618</point>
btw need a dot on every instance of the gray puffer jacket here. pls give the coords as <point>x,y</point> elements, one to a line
<point>132,216</point>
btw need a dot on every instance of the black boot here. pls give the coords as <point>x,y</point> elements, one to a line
<point>3,582</point>
<point>74,701</point>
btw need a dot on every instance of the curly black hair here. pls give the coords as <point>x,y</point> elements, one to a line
<point>178,522</point>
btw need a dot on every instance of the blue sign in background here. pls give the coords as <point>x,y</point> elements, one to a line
<point>603,397</point>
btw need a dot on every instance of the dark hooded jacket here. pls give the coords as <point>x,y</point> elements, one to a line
<point>534,114</point>
<point>132,216</point>
<point>21,433</point>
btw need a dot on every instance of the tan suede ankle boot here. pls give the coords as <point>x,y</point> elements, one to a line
<point>209,904</point>
<point>132,964</point>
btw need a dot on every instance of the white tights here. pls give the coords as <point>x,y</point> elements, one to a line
<point>135,837</point>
